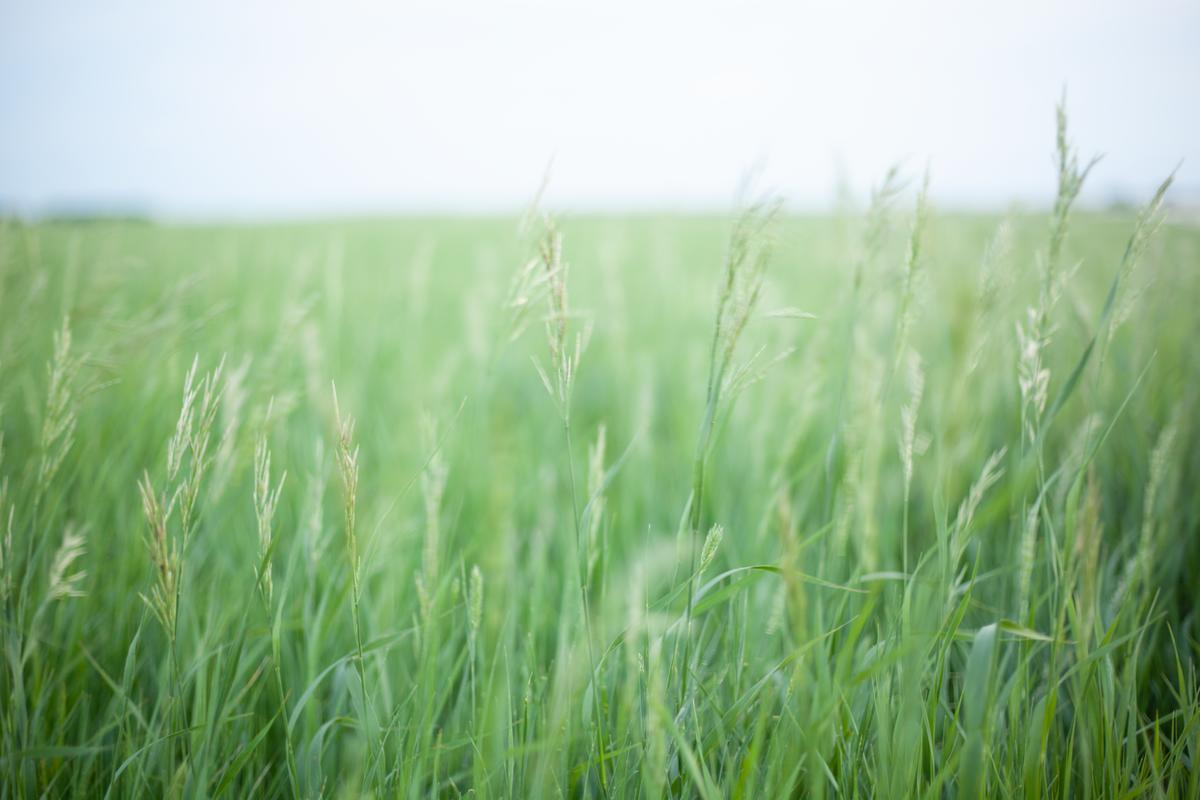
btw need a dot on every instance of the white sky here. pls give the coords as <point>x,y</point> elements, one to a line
<point>257,108</point>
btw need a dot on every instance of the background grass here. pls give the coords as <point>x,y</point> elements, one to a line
<point>1020,627</point>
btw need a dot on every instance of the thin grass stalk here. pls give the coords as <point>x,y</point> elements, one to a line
<point>347,460</point>
<point>266,499</point>
<point>564,362</point>
<point>745,266</point>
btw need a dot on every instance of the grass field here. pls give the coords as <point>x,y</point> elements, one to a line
<point>891,502</point>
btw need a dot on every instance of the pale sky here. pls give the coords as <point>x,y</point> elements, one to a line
<point>306,108</point>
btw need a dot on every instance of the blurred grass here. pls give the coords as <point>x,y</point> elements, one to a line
<point>857,661</point>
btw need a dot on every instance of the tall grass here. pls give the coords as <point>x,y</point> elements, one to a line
<point>943,543</point>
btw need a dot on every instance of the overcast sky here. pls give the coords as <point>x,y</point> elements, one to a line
<point>277,109</point>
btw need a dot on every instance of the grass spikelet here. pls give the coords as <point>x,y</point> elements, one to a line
<point>266,499</point>
<point>1149,220</point>
<point>749,251</point>
<point>528,289</point>
<point>315,539</point>
<point>474,621</point>
<point>233,400</point>
<point>993,279</point>
<point>64,583</point>
<point>1088,535</point>
<point>864,451</point>
<point>910,274</point>
<point>475,601</point>
<point>181,440</point>
<point>1071,177</point>
<point>164,555</point>
<point>565,351</point>
<point>188,444</point>
<point>1033,377</point>
<point>910,443</point>
<point>346,454</point>
<point>750,247</point>
<point>433,487</point>
<point>1160,458</point>
<point>878,219</point>
<point>595,507</point>
<point>1026,558</point>
<point>193,435</point>
<point>59,420</point>
<point>712,543</point>
<point>989,476</point>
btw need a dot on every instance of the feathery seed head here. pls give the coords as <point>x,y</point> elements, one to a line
<point>58,424</point>
<point>712,542</point>
<point>909,443</point>
<point>475,601</point>
<point>266,499</point>
<point>62,582</point>
<point>347,462</point>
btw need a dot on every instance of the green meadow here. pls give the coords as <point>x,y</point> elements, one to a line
<point>889,502</point>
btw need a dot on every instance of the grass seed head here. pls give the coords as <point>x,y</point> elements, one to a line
<point>266,499</point>
<point>62,582</point>
<point>59,420</point>
<point>475,601</point>
<point>712,543</point>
